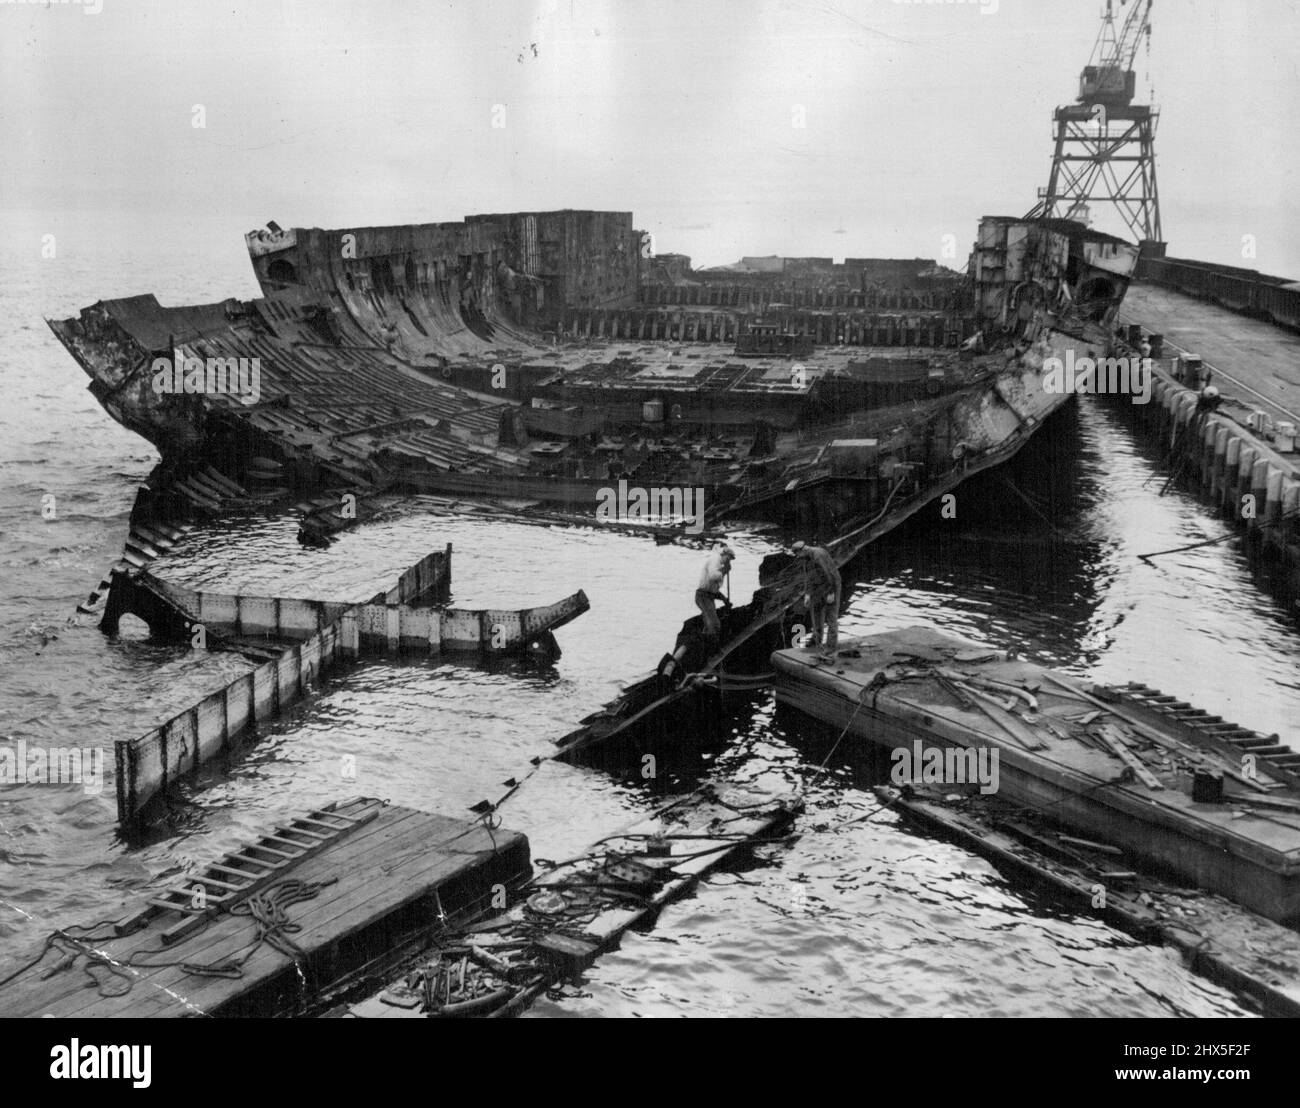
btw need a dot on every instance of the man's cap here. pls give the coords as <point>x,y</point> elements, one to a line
<point>797,547</point>
<point>727,552</point>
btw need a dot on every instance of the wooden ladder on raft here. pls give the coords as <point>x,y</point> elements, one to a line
<point>219,885</point>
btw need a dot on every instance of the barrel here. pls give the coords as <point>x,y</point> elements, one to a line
<point>652,411</point>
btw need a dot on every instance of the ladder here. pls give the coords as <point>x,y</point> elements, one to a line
<point>1205,730</point>
<point>218,885</point>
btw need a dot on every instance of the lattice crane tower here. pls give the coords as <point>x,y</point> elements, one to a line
<point>1105,144</point>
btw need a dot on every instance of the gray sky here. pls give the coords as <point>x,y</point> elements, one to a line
<point>919,118</point>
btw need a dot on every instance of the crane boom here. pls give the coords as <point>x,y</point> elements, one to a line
<point>1138,21</point>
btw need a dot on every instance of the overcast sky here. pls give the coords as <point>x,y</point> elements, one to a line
<point>918,118</point>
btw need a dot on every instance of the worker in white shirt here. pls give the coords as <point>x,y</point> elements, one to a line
<point>822,591</point>
<point>716,568</point>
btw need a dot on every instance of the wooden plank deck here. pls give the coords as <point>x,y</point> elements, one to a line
<point>896,690</point>
<point>388,885</point>
<point>1253,361</point>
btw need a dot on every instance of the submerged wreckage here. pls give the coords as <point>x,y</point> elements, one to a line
<point>548,359</point>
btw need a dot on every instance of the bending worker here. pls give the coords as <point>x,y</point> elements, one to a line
<point>716,568</point>
<point>822,589</point>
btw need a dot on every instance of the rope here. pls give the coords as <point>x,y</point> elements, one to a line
<point>547,864</point>
<point>93,958</point>
<point>873,686</point>
<point>876,518</point>
<point>269,909</point>
<point>1192,428</point>
<point>872,815</point>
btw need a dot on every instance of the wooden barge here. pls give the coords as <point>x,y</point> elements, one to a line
<point>1195,796</point>
<point>319,906</point>
<point>1224,942</point>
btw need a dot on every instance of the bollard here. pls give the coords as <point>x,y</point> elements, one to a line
<point>1220,452</point>
<point>1231,467</point>
<point>1259,490</point>
<point>1245,472</point>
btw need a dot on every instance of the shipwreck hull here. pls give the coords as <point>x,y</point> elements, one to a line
<point>404,358</point>
<point>433,355</point>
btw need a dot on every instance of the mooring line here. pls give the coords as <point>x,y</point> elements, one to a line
<point>1222,538</point>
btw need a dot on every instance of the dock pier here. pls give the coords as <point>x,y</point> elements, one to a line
<point>1242,458</point>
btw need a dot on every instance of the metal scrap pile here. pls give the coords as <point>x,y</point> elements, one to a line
<point>537,945</point>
